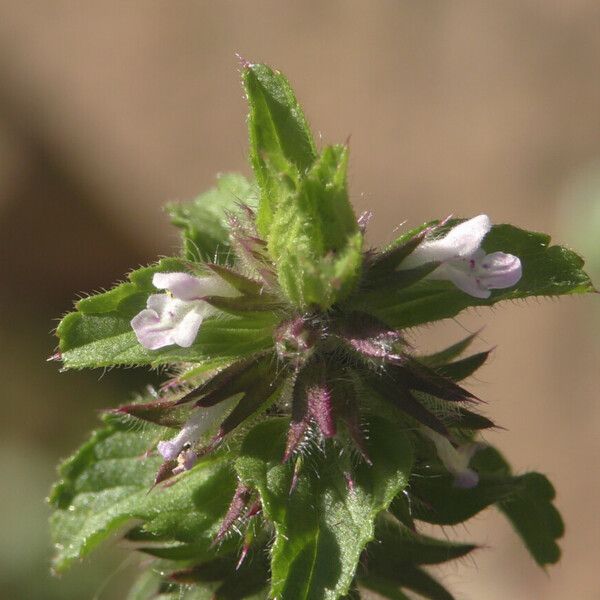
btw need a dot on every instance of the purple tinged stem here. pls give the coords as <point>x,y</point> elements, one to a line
<point>369,336</point>
<point>160,412</point>
<point>254,510</point>
<point>171,384</point>
<point>351,419</point>
<point>243,554</point>
<point>234,512</point>
<point>300,418</point>
<point>245,64</point>
<point>346,405</point>
<point>320,408</point>
<point>350,482</point>
<point>165,472</point>
<point>295,476</point>
<point>296,434</point>
<point>363,220</point>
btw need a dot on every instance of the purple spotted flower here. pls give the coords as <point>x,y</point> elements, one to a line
<point>464,262</point>
<point>175,317</point>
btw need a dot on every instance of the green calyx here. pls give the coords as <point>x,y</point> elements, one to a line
<point>304,213</point>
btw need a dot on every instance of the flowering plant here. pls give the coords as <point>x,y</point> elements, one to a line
<point>299,440</point>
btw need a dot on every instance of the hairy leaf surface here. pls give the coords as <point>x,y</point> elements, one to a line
<point>106,484</point>
<point>99,333</point>
<point>547,271</point>
<point>203,221</point>
<point>323,525</point>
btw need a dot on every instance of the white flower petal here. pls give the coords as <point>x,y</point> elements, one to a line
<point>187,287</point>
<point>465,239</point>
<point>158,302</point>
<point>215,286</point>
<point>169,450</point>
<point>464,262</point>
<point>175,318</point>
<point>184,333</point>
<point>456,460</point>
<point>149,331</point>
<point>467,479</point>
<point>467,281</point>
<point>427,252</point>
<point>460,242</point>
<point>202,420</point>
<point>499,270</point>
<point>167,320</point>
<point>182,285</point>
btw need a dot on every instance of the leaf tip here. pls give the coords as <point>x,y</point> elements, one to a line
<point>244,63</point>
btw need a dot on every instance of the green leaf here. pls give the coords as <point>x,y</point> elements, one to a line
<point>459,417</point>
<point>418,580</point>
<point>203,221</point>
<point>132,294</point>
<point>99,334</point>
<point>243,305</point>
<point>244,285</point>
<point>280,139</point>
<point>400,509</point>
<point>535,518</point>
<point>145,586</point>
<point>526,500</point>
<point>93,344</point>
<point>437,500</point>
<point>547,271</point>
<point>410,577</point>
<point>434,498</point>
<point>447,354</point>
<point>321,213</point>
<point>323,525</point>
<point>304,212</point>
<point>392,561</point>
<point>107,483</point>
<point>321,283</point>
<point>248,580</point>
<point>239,584</point>
<point>383,587</point>
<point>529,508</point>
<point>463,368</point>
<point>396,545</point>
<point>314,238</point>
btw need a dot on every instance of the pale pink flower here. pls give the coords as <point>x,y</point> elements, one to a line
<point>456,460</point>
<point>175,317</point>
<point>203,420</point>
<point>464,262</point>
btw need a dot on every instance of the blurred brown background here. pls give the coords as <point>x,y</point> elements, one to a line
<point>110,109</point>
